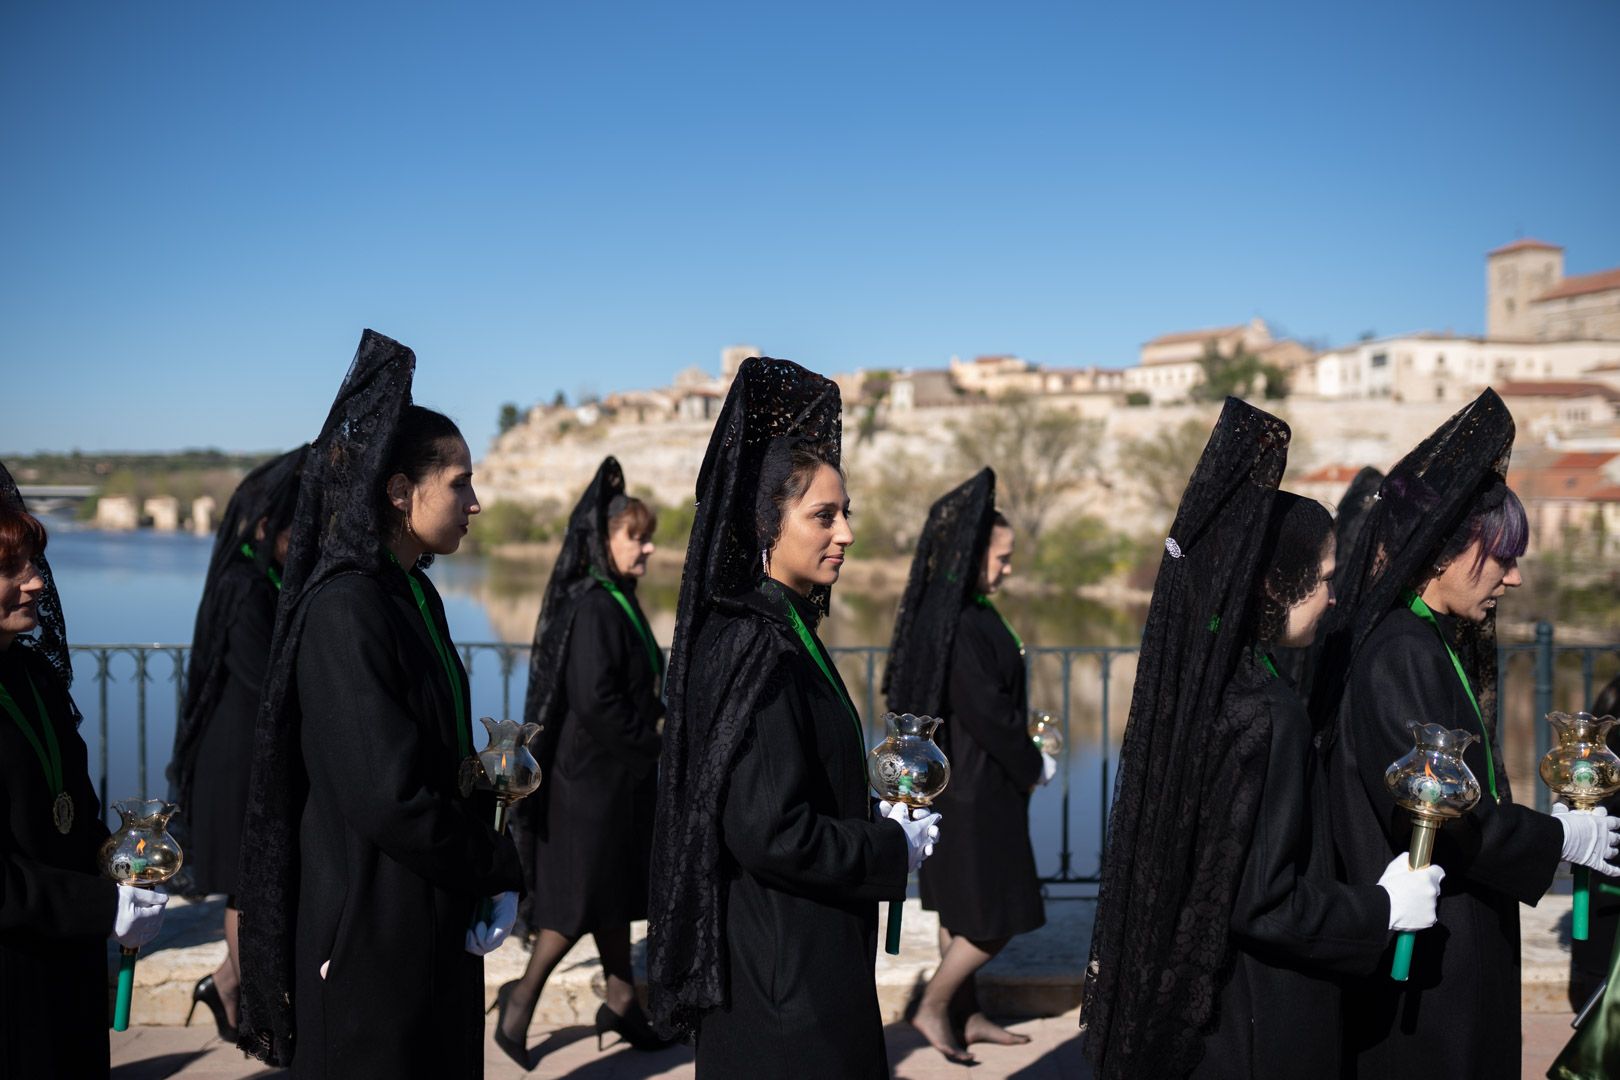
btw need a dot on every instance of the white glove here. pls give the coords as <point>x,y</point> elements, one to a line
<point>921,833</point>
<point>1048,768</point>
<point>485,937</point>
<point>140,916</point>
<point>1412,893</point>
<point>1591,838</point>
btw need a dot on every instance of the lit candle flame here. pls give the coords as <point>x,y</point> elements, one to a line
<point>503,761</point>
<point>140,846</point>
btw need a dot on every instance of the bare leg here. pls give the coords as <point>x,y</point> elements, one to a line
<point>613,946</point>
<point>549,949</point>
<point>959,959</point>
<point>228,976</point>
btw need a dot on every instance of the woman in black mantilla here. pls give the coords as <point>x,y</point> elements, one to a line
<point>767,863</point>
<point>586,835</point>
<point>1418,641</point>
<point>56,908</point>
<point>366,855</point>
<point>954,656</point>
<point>1220,927</point>
<point>213,742</point>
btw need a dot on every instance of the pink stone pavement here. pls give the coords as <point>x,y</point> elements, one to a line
<point>155,1053</point>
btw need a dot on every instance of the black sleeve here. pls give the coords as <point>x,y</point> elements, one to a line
<point>1279,912</point>
<point>773,831</point>
<point>362,743</point>
<point>598,692</point>
<point>1507,847</point>
<point>47,900</point>
<point>248,653</point>
<point>986,707</point>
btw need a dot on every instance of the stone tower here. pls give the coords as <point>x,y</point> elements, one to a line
<point>731,358</point>
<point>1515,274</point>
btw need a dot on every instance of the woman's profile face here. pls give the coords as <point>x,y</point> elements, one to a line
<point>1458,590</point>
<point>997,559</point>
<point>20,589</point>
<point>628,548</point>
<point>815,534</point>
<point>1306,616</point>
<point>439,507</point>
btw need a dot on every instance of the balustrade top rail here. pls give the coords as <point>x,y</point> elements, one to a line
<point>1076,684</point>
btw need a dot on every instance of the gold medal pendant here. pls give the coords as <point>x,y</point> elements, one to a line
<point>62,813</point>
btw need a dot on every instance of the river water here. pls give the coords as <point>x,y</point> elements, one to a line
<point>143,588</point>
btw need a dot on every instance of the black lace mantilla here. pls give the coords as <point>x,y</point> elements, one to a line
<point>338,527</point>
<point>1425,498</point>
<point>711,698</point>
<point>1191,768</point>
<point>50,640</point>
<point>944,575</point>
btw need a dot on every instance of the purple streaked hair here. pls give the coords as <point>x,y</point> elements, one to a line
<point>1498,521</point>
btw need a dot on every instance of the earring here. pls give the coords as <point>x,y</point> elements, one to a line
<point>765,561</point>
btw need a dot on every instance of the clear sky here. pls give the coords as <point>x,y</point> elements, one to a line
<point>202,204</point>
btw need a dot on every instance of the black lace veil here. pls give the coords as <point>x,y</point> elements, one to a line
<point>1188,786</point>
<point>769,401</point>
<point>50,641</point>
<point>268,493</point>
<point>338,527</point>
<point>1420,504</point>
<point>1357,499</point>
<point>944,575</point>
<point>1296,539</point>
<point>584,546</point>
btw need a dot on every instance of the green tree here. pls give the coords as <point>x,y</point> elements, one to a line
<point>1242,374</point>
<point>1039,453</point>
<point>509,417</point>
<point>1080,550</point>
<point>1162,463</point>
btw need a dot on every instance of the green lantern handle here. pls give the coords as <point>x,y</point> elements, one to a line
<point>891,940</point>
<point>1423,830</point>
<point>1581,912</point>
<point>126,989</point>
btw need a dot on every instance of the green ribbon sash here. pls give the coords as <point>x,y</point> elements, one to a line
<point>1416,606</point>
<point>49,751</point>
<point>810,646</point>
<point>270,571</point>
<point>458,692</point>
<point>1265,658</point>
<point>984,602</point>
<point>655,656</point>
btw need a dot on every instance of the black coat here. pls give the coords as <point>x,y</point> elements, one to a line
<point>219,787</point>
<point>592,835</point>
<point>807,866</point>
<point>1293,926</point>
<point>981,878</point>
<point>56,910</point>
<point>1461,1004</point>
<point>392,860</point>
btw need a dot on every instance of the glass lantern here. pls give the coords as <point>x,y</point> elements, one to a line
<point>1046,732</point>
<point>907,767</point>
<point>1582,771</point>
<point>139,855</point>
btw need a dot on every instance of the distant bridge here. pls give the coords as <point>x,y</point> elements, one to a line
<point>48,497</point>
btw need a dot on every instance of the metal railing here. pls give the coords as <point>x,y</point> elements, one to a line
<point>1076,684</point>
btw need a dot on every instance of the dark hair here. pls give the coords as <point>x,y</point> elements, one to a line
<point>22,537</point>
<point>1498,522</point>
<point>998,520</point>
<point>784,476</point>
<point>422,443</point>
<point>643,521</point>
<point>1297,537</point>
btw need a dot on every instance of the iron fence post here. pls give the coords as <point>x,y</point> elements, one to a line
<point>1544,702</point>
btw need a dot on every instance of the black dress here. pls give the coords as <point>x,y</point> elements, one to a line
<point>392,860</point>
<point>1459,1012</point>
<point>806,868</point>
<point>219,788</point>
<point>593,833</point>
<point>981,878</point>
<point>1293,926</point>
<point>56,910</point>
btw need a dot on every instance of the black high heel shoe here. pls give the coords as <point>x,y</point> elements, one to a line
<point>512,1048</point>
<point>632,1027</point>
<point>206,992</point>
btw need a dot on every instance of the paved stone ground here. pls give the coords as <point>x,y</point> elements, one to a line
<point>155,1053</point>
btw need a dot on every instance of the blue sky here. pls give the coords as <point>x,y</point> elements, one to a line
<point>201,205</point>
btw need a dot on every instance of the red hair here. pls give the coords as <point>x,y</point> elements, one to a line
<point>22,537</point>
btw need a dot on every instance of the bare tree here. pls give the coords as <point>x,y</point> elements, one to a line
<point>1038,452</point>
<point>1162,463</point>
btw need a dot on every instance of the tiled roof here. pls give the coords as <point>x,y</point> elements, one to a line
<point>1196,335</point>
<point>1557,389</point>
<point>1581,284</point>
<point>1583,459</point>
<point>1526,244</point>
<point>1331,474</point>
